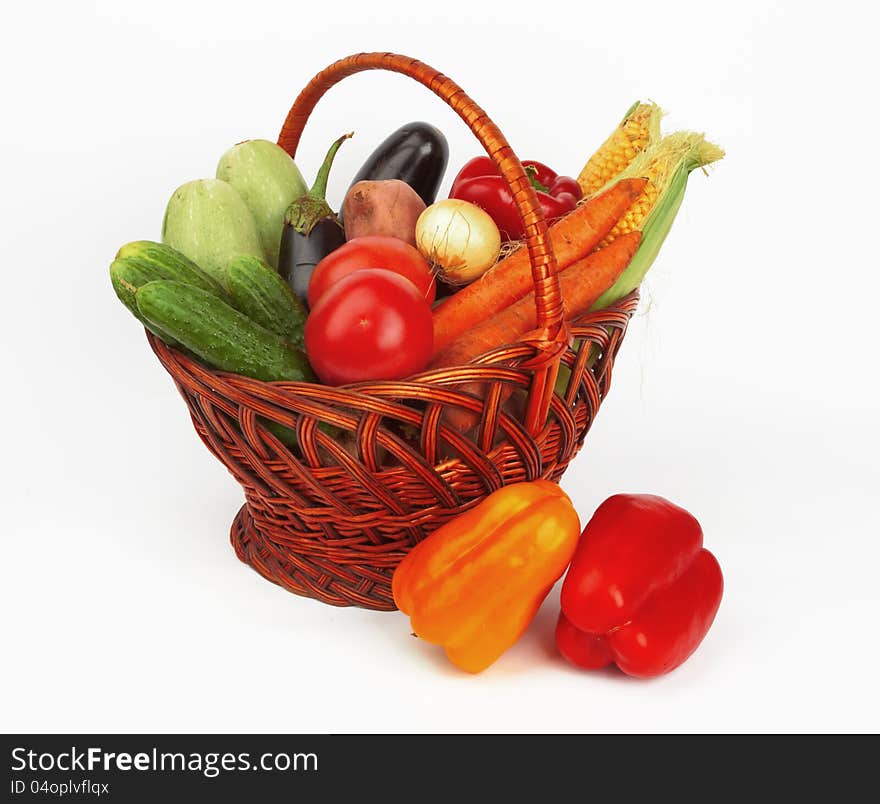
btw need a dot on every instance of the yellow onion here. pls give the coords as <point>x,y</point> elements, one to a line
<point>459,238</point>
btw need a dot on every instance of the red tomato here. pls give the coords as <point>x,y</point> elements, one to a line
<point>373,251</point>
<point>371,325</point>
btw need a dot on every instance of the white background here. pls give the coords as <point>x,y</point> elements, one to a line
<point>746,391</point>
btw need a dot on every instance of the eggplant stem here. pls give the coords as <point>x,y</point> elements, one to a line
<point>319,188</point>
<point>304,213</point>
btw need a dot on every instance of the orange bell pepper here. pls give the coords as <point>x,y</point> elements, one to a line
<point>475,584</point>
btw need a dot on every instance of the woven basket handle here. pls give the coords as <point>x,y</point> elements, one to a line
<point>551,334</point>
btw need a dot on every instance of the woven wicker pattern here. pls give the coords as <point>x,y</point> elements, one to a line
<point>361,473</point>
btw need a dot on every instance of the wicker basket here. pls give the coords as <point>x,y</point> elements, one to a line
<point>331,517</point>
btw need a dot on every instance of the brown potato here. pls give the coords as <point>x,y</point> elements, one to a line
<point>389,208</point>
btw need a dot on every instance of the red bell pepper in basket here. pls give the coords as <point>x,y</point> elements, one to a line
<point>480,183</point>
<point>641,591</point>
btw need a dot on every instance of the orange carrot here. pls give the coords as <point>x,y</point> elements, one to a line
<point>572,238</point>
<point>581,284</point>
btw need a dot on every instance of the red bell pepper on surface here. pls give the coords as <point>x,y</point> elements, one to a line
<point>480,183</point>
<point>641,591</point>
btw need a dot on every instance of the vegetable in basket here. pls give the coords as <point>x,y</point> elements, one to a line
<point>581,284</point>
<point>256,290</point>
<point>145,261</point>
<point>209,222</point>
<point>371,325</point>
<point>389,253</point>
<point>666,168</point>
<point>475,584</point>
<point>219,334</point>
<point>268,181</point>
<point>416,153</point>
<point>459,239</point>
<point>249,347</point>
<point>641,592</point>
<point>481,183</point>
<point>573,237</point>
<point>389,208</point>
<point>311,230</point>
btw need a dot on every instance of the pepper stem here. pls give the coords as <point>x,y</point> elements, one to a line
<point>532,175</point>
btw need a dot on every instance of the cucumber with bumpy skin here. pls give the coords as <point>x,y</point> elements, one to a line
<point>168,261</point>
<point>219,334</point>
<point>258,291</point>
<point>126,277</point>
<point>144,261</point>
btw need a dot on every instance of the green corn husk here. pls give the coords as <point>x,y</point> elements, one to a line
<point>668,166</point>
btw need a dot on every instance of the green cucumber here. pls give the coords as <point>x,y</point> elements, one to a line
<point>144,261</point>
<point>168,262</point>
<point>219,334</point>
<point>126,277</point>
<point>262,295</point>
<point>268,181</point>
<point>209,222</point>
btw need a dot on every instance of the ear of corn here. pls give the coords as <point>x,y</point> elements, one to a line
<point>667,167</point>
<point>639,130</point>
<point>658,165</point>
<point>635,149</point>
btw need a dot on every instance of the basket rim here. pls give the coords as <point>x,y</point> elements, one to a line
<point>493,364</point>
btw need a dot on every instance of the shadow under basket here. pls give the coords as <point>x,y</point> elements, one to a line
<point>341,482</point>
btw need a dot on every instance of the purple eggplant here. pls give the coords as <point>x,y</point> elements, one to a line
<point>311,231</point>
<point>416,153</point>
